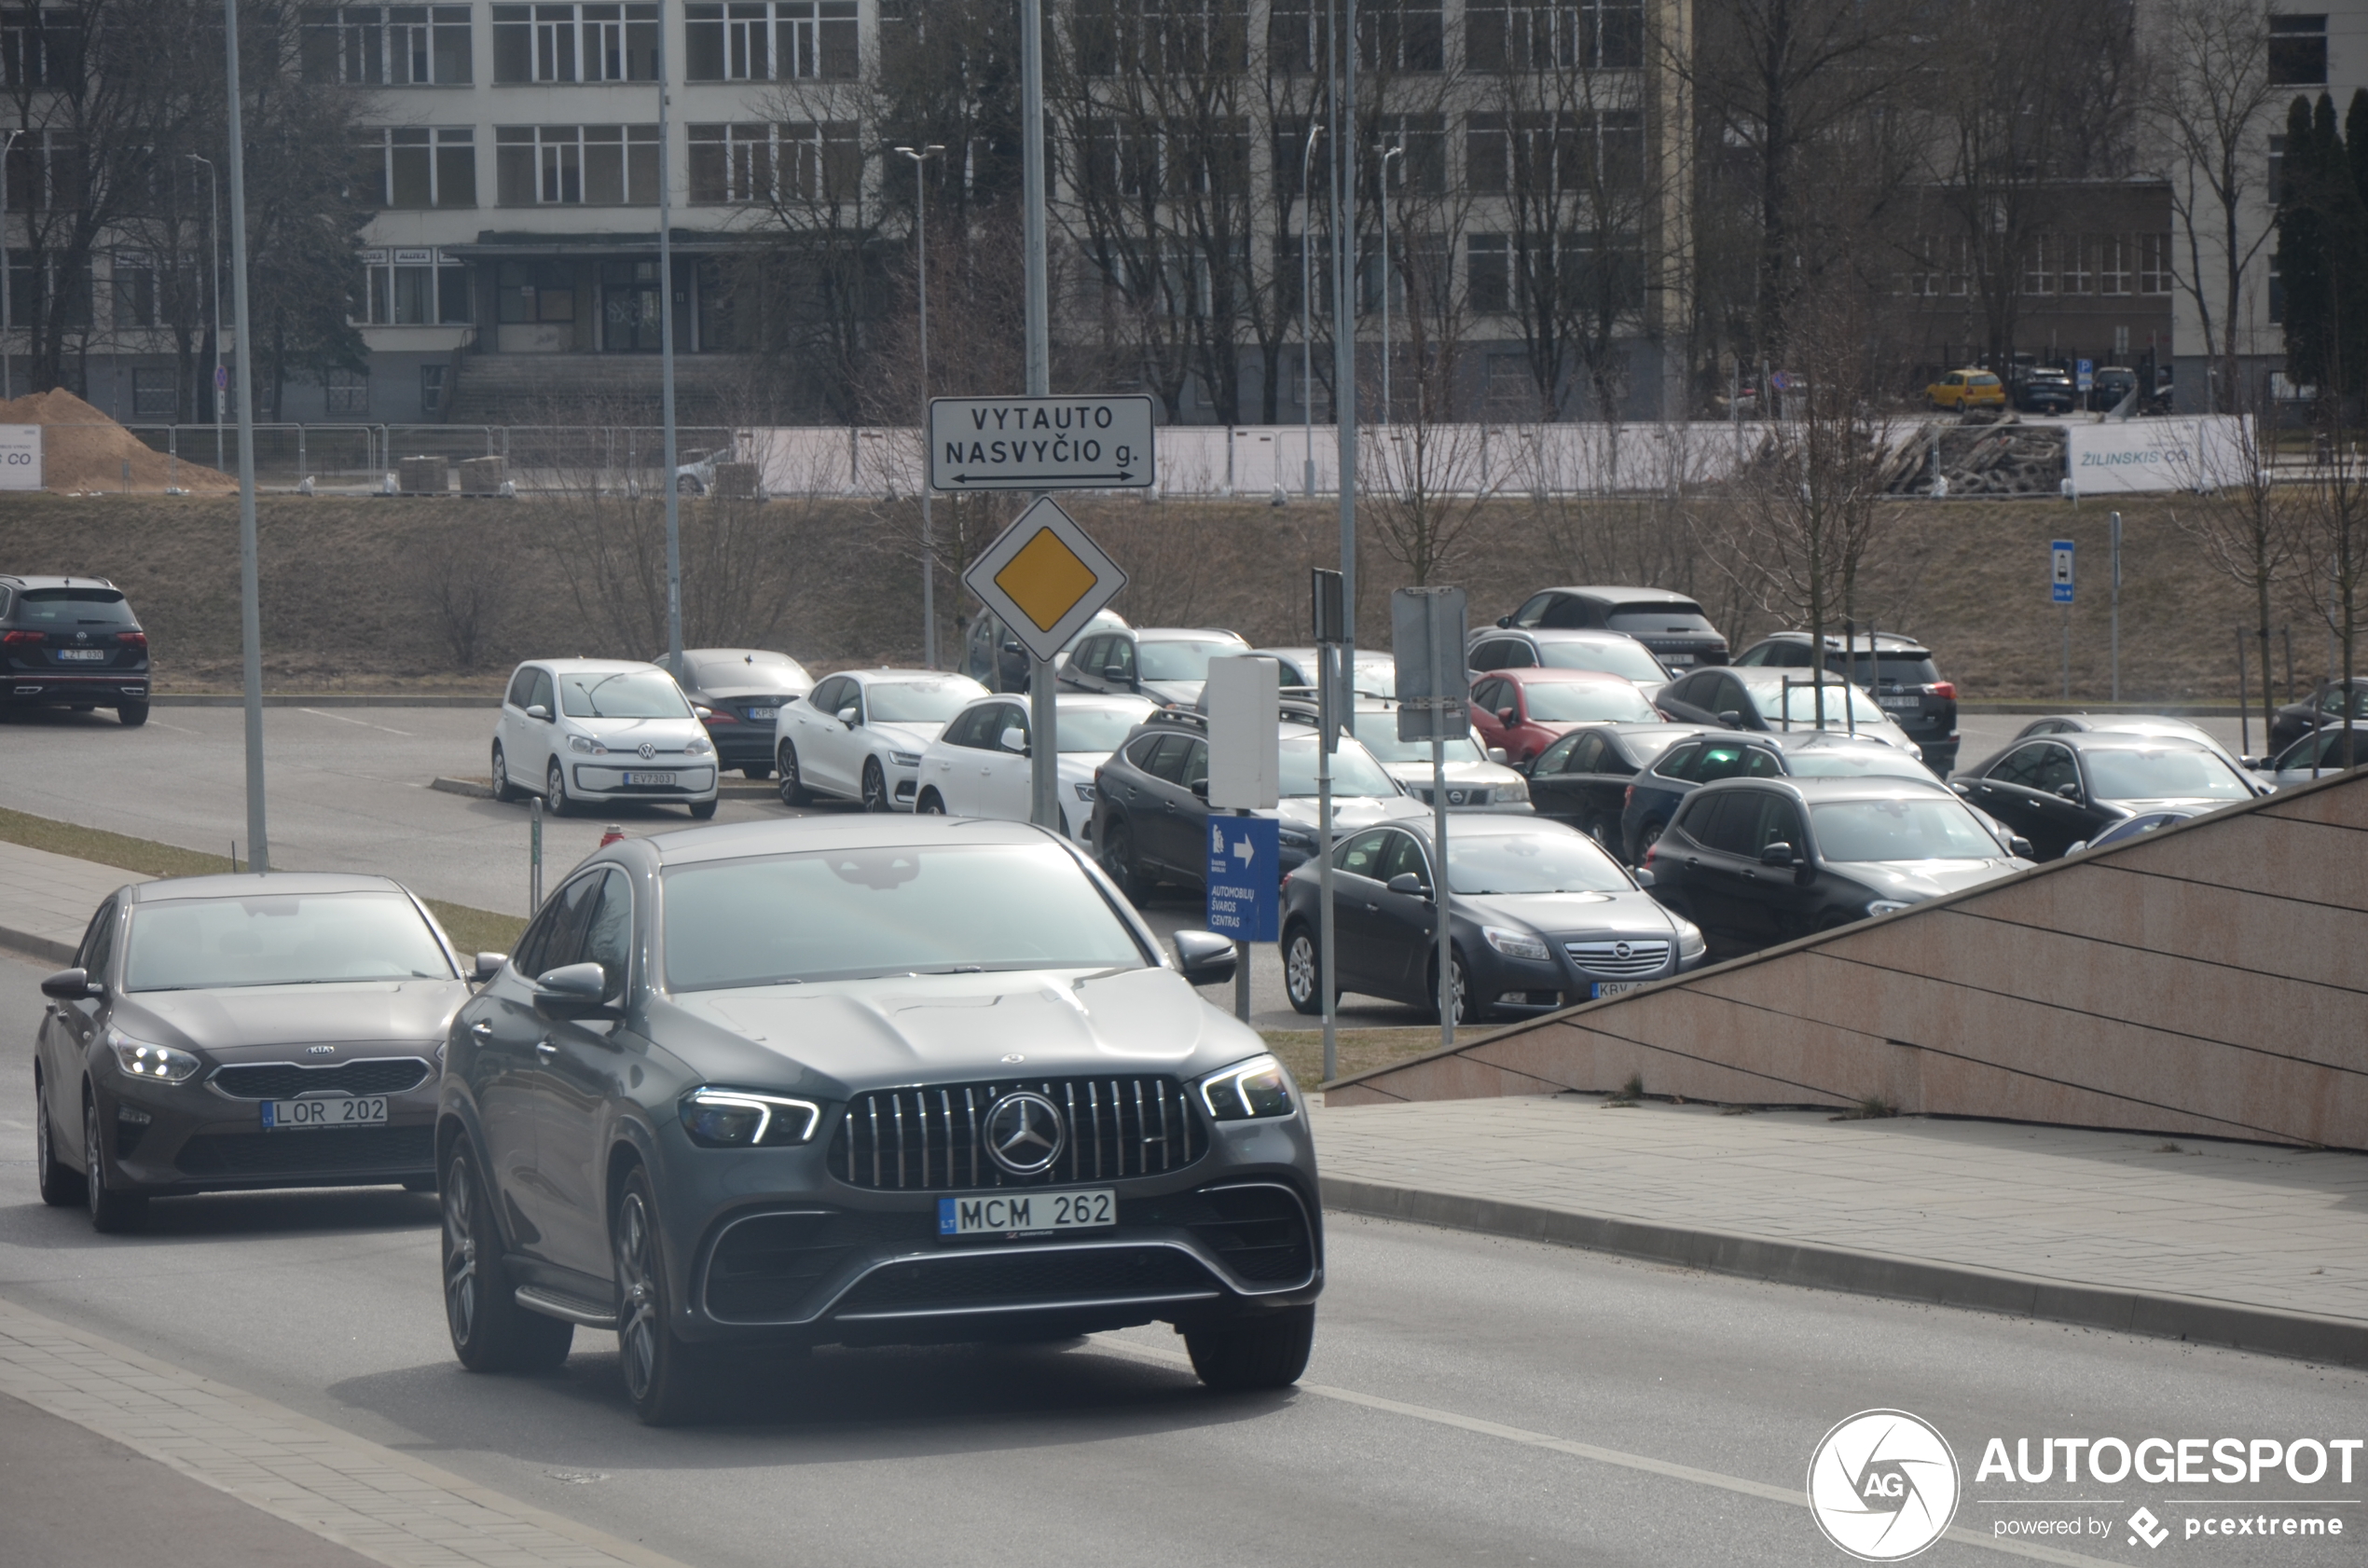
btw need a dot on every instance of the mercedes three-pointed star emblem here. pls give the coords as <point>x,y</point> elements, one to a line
<point>1024,1132</point>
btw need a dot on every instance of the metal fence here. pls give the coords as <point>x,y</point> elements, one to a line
<point>540,457</point>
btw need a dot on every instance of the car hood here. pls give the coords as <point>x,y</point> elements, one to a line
<point>624,734</point>
<point>241,1021</point>
<point>905,736</point>
<point>1913,881</point>
<point>1494,774</point>
<point>1185,693</point>
<point>1569,914</point>
<point>1351,811</point>
<point>848,1035</point>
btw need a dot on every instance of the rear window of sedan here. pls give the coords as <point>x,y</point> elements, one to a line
<point>72,607</point>
<point>857,914</point>
<point>1573,702</point>
<point>278,939</point>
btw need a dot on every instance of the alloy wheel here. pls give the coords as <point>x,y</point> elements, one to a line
<point>1299,973</point>
<point>555,789</point>
<point>875,796</point>
<point>460,1281</point>
<point>637,1268</point>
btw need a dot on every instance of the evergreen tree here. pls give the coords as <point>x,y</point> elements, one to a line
<point>2301,247</point>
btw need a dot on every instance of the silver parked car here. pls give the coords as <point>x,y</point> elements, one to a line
<point>864,1080</point>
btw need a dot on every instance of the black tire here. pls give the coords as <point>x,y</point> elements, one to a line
<point>702,811</point>
<point>1302,970</point>
<point>757,770</point>
<point>1468,1008</point>
<point>112,1210</point>
<point>1646,836</point>
<point>554,790</point>
<point>669,1381</point>
<point>499,772</point>
<point>60,1183</point>
<point>875,795</point>
<point>133,714</point>
<point>794,792</point>
<point>490,1331</point>
<point>932,804</point>
<point>1118,859</point>
<point>1268,1351</point>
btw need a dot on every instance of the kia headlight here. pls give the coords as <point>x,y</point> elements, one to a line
<point>906,759</point>
<point>139,1059</point>
<point>1691,944</point>
<point>1888,906</point>
<point>746,1119</point>
<point>1248,1090</point>
<point>584,745</point>
<point>1516,944</point>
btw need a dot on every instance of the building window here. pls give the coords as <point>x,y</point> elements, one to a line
<point>2277,169</point>
<point>1423,167</point>
<point>1490,261</point>
<point>417,167</point>
<point>42,282</point>
<point>2154,269</point>
<point>755,164</point>
<point>2039,265</point>
<point>39,48</point>
<point>44,172</point>
<point>2077,264</point>
<point>575,43</point>
<point>1401,35</point>
<point>346,393</point>
<point>156,394</point>
<point>430,390</point>
<point>406,287</point>
<point>1544,35</point>
<point>2298,50</point>
<point>2113,261</point>
<point>1298,35</point>
<point>576,165</point>
<point>132,286</point>
<point>2277,291</point>
<point>1601,152</point>
<point>529,292</point>
<point>388,46</point>
<point>782,40</point>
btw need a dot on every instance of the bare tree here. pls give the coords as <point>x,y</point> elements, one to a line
<point>2246,522</point>
<point>2331,547</point>
<point>1423,492</point>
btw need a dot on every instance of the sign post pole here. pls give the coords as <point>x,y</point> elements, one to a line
<point>1330,617</point>
<point>1245,776</point>
<point>2114,533</point>
<point>1427,624</point>
<point>250,591</point>
<point>2060,591</point>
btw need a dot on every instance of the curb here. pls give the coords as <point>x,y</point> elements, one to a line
<point>36,946</point>
<point>741,790</point>
<point>2302,1336</point>
<point>468,787</point>
<point>334,699</point>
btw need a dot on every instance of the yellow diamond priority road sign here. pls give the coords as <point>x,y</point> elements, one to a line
<point>1044,579</point>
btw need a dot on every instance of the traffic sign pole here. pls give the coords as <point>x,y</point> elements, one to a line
<point>2060,590</point>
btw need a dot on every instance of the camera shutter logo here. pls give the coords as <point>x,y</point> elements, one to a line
<point>1883,1485</point>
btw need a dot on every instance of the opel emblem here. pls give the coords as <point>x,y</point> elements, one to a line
<point>1024,1132</point>
<point>1621,950</point>
<point>647,751</point>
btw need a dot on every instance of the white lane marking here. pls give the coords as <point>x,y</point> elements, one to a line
<point>364,724</point>
<point>1796,1497</point>
<point>176,729</point>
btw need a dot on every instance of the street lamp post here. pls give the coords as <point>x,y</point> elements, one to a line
<point>920,157</point>
<point>7,332</point>
<point>1307,301</point>
<point>249,590</point>
<point>1388,344</point>
<point>663,69</point>
<point>213,229</point>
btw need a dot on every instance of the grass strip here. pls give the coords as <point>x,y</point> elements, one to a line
<point>1360,1051</point>
<point>472,930</point>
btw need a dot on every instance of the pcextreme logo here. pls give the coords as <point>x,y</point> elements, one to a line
<point>1883,1485</point>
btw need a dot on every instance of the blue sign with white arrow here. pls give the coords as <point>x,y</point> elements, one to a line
<point>1244,878</point>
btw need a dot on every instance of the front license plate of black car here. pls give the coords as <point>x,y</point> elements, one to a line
<point>1000,1213</point>
<point>89,656</point>
<point>649,778</point>
<point>354,1110</point>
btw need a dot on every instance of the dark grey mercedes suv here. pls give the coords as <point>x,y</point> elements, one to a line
<point>864,1080</point>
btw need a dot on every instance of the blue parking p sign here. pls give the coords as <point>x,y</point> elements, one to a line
<point>1244,878</point>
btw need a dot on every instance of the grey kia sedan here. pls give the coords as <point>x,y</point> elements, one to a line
<point>238,1032</point>
<point>864,1080</point>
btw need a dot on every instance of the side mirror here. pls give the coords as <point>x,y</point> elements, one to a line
<point>2020,846</point>
<point>1204,957</point>
<point>1730,717</point>
<point>575,991</point>
<point>69,986</point>
<point>1413,887</point>
<point>1199,788</point>
<point>2069,791</point>
<point>539,711</point>
<point>1504,620</point>
<point>846,716</point>
<point>1504,715</point>
<point>1776,855</point>
<point>1113,672</point>
<point>1497,754</point>
<point>1644,877</point>
<point>1014,740</point>
<point>487,965</point>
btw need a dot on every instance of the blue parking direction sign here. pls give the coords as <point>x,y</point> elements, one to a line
<point>1244,878</point>
<point>2060,586</point>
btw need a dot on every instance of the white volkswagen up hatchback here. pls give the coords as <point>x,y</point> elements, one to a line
<point>602,731</point>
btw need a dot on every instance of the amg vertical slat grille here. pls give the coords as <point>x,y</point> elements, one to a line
<point>931,1138</point>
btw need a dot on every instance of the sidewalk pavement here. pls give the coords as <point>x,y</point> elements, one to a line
<point>2231,1244</point>
<point>47,901</point>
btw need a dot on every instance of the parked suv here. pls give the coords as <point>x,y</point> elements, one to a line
<point>1671,625</point>
<point>1899,671</point>
<point>72,642</point>
<point>1610,652</point>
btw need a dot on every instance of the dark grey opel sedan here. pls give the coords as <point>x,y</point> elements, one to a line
<point>864,1080</point>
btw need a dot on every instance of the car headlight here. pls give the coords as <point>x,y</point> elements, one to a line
<point>1255,1088</point>
<point>698,749</point>
<point>1691,944</point>
<point>584,745</point>
<point>746,1118</point>
<point>1084,793</point>
<point>139,1059</point>
<point>1515,944</point>
<point>1888,906</point>
<point>906,759</point>
<point>1516,790</point>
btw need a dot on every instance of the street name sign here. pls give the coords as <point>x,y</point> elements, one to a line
<point>2060,587</point>
<point>1039,443</point>
<point>1044,579</point>
<point>1244,878</point>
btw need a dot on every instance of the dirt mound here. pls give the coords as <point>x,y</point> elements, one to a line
<point>82,450</point>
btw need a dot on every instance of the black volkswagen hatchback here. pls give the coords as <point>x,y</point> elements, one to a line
<point>72,642</point>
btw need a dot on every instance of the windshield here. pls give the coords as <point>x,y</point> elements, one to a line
<point>1627,660</point>
<point>1873,760</point>
<point>2183,774</point>
<point>1938,829</point>
<point>622,693</point>
<point>1379,732</point>
<point>72,607</point>
<point>1531,863</point>
<point>1800,700</point>
<point>1568,702</point>
<point>1097,729</point>
<point>918,702</point>
<point>1179,661</point>
<point>281,939</point>
<point>852,913</point>
<point>1353,770</point>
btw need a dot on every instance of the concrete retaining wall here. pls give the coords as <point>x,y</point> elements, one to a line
<point>2210,979</point>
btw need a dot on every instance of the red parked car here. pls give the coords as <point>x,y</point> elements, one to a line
<point>1523,710</point>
